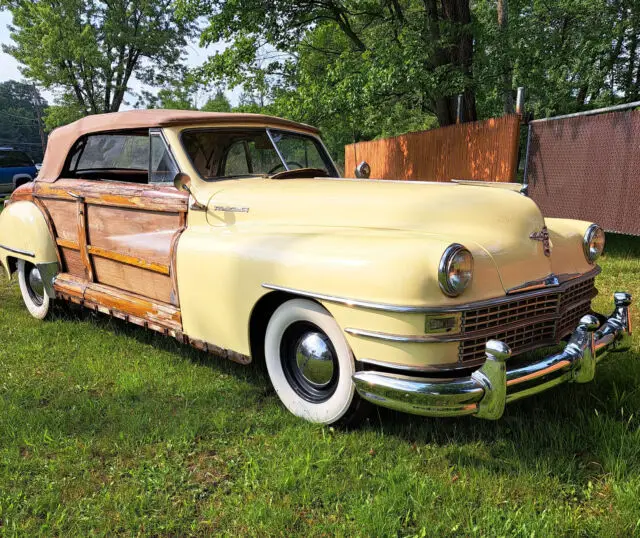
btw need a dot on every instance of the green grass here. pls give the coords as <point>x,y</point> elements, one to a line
<point>106,429</point>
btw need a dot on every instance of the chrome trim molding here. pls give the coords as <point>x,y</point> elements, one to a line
<point>421,338</point>
<point>487,390</point>
<point>550,281</point>
<point>19,251</point>
<point>358,303</point>
<point>230,209</point>
<point>275,146</point>
<point>440,368</point>
<point>543,236</point>
<point>586,241</point>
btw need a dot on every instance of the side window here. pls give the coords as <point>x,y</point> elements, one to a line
<point>236,160</point>
<point>117,156</point>
<point>113,152</point>
<point>162,167</point>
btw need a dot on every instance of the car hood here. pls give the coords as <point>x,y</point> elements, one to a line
<point>496,221</point>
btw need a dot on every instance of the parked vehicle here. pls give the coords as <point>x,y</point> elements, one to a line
<point>16,168</point>
<point>234,233</point>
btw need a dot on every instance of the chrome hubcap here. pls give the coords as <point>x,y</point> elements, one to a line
<point>309,361</point>
<point>36,285</point>
<point>315,359</point>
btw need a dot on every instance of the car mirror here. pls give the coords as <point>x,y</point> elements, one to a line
<point>182,182</point>
<point>363,170</point>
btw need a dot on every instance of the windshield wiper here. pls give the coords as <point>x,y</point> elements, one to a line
<point>232,176</point>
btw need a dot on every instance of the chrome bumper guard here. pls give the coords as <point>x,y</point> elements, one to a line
<point>487,390</point>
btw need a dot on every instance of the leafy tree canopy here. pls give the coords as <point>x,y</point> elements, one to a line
<point>89,50</point>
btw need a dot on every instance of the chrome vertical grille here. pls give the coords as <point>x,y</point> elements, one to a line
<point>526,323</point>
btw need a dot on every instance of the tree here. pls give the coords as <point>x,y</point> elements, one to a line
<point>91,49</point>
<point>419,51</point>
<point>217,103</point>
<point>18,117</point>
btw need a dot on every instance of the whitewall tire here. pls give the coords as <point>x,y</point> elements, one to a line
<point>310,363</point>
<point>35,298</point>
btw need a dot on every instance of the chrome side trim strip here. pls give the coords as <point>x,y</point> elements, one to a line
<point>430,309</point>
<point>18,251</point>
<point>436,368</point>
<point>405,338</point>
<point>275,146</point>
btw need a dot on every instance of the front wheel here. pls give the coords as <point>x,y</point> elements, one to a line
<point>310,363</point>
<point>34,296</point>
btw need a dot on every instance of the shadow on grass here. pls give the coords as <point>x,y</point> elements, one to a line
<point>622,246</point>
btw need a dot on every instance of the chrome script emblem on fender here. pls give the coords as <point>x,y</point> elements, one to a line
<point>543,235</point>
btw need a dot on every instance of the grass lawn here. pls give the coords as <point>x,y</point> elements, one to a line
<point>106,429</point>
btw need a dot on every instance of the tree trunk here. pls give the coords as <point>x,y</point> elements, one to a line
<point>506,75</point>
<point>458,53</point>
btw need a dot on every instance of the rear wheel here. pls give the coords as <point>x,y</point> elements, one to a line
<point>32,288</point>
<point>310,363</point>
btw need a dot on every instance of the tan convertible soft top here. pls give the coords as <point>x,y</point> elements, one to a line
<point>62,139</point>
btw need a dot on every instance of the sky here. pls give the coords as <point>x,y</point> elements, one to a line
<point>9,67</point>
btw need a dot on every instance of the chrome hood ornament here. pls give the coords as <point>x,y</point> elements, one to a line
<point>543,235</point>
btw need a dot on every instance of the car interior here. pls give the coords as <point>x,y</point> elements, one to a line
<point>142,156</point>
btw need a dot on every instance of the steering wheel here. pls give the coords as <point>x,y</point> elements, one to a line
<point>280,165</point>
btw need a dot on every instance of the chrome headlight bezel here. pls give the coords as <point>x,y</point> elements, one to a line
<point>452,255</point>
<point>592,253</point>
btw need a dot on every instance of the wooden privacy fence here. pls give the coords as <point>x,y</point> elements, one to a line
<point>482,150</point>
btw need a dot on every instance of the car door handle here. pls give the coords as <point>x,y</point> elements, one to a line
<point>75,195</point>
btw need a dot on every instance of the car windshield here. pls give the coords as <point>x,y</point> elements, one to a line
<point>229,153</point>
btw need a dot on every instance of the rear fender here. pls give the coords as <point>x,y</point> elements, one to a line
<point>25,235</point>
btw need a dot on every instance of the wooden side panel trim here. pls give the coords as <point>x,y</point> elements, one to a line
<point>116,194</point>
<point>82,238</point>
<point>120,303</point>
<point>116,256</point>
<point>128,260</point>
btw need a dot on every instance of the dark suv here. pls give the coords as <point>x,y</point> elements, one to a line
<point>16,168</point>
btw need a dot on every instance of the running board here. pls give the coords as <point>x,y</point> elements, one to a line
<point>161,317</point>
<point>157,316</point>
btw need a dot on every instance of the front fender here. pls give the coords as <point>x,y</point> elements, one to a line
<point>567,255</point>
<point>221,273</point>
<point>24,234</point>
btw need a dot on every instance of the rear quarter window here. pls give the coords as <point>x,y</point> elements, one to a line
<point>14,159</point>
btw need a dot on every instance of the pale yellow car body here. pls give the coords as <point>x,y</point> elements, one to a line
<point>358,240</point>
<point>366,240</point>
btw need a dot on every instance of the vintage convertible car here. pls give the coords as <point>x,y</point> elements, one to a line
<point>234,233</point>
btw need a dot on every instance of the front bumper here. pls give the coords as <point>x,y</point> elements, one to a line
<point>487,390</point>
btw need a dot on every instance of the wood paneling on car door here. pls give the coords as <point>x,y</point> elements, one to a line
<point>121,235</point>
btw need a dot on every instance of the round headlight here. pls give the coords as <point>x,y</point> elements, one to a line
<point>455,270</point>
<point>593,242</point>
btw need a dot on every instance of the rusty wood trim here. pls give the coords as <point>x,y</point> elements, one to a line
<point>173,273</point>
<point>207,347</point>
<point>82,237</point>
<point>128,260</point>
<point>119,303</point>
<point>24,193</point>
<point>116,256</point>
<point>117,194</point>
<point>52,231</point>
<point>67,243</point>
